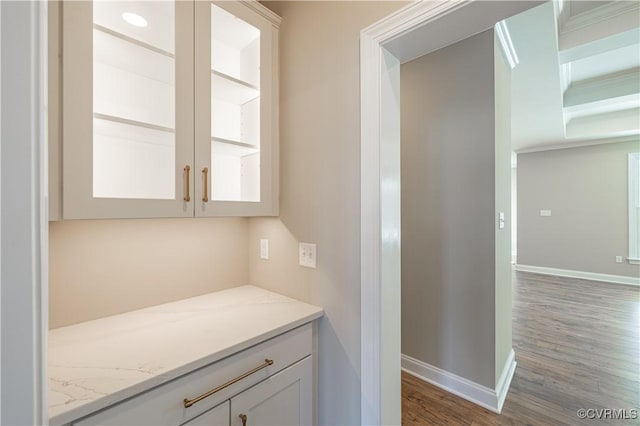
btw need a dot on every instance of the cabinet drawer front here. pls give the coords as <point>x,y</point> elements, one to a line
<point>284,399</point>
<point>164,405</point>
<point>218,416</point>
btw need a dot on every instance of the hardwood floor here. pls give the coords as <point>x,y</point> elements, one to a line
<point>577,346</point>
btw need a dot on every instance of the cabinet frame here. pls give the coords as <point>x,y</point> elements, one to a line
<point>300,373</point>
<point>71,158</point>
<point>268,23</point>
<point>78,201</point>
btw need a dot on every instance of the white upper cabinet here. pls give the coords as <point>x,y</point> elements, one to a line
<point>236,109</point>
<point>169,109</point>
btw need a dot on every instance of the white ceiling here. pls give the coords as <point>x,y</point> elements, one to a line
<point>589,90</point>
<point>536,101</point>
<point>624,58</point>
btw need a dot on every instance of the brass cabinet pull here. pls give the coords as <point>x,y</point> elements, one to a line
<point>243,417</point>
<point>187,195</point>
<point>189,402</point>
<point>205,196</point>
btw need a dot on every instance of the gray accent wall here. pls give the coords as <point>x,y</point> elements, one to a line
<point>450,251</point>
<point>586,190</point>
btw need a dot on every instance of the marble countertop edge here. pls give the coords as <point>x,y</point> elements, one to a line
<point>92,406</point>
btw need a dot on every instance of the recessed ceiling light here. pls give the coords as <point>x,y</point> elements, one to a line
<point>134,19</point>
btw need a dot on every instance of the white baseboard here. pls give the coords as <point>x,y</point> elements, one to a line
<point>502,388</point>
<point>618,279</point>
<point>491,399</point>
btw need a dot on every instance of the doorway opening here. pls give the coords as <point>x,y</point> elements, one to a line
<point>412,32</point>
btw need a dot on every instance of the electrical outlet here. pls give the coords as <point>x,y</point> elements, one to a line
<point>545,213</point>
<point>618,259</point>
<point>264,249</point>
<point>307,255</point>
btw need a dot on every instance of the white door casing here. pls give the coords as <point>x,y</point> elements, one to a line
<point>24,212</point>
<point>413,31</point>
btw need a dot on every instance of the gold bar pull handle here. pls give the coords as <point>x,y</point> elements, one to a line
<point>243,417</point>
<point>205,195</point>
<point>187,172</point>
<point>189,402</point>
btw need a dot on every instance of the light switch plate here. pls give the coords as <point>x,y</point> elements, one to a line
<point>264,249</point>
<point>307,255</point>
<point>501,220</point>
<point>545,213</point>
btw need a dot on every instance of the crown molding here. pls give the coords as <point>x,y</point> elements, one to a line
<point>263,11</point>
<point>569,22</point>
<point>579,143</point>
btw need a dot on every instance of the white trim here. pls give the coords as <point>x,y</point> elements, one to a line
<point>634,202</point>
<point>506,44</point>
<point>263,11</point>
<point>596,15</point>
<point>409,18</point>
<point>370,252</point>
<point>1,215</point>
<point>598,83</point>
<point>614,104</point>
<point>24,212</point>
<point>562,10</point>
<point>590,42</point>
<point>471,391</point>
<point>504,383</point>
<point>379,239</point>
<point>565,76</point>
<point>577,143</point>
<point>592,276</point>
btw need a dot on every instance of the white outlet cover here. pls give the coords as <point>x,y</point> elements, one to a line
<point>307,255</point>
<point>264,249</point>
<point>545,213</point>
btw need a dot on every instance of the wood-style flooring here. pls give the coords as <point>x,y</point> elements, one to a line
<point>577,346</point>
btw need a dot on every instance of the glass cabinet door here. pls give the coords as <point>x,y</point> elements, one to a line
<point>234,110</point>
<point>127,108</point>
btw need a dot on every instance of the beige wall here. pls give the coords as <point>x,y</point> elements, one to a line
<point>586,191</point>
<point>320,186</point>
<point>104,267</point>
<point>448,204</point>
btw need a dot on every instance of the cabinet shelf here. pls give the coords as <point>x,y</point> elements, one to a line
<point>121,120</point>
<point>132,79</point>
<point>233,148</point>
<point>132,40</point>
<point>230,89</point>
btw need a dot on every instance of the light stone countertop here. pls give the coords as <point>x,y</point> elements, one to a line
<point>95,364</point>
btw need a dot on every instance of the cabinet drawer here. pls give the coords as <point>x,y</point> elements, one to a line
<point>283,399</point>
<point>164,405</point>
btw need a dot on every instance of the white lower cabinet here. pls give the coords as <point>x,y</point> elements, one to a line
<point>218,416</point>
<point>284,399</point>
<point>269,383</point>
